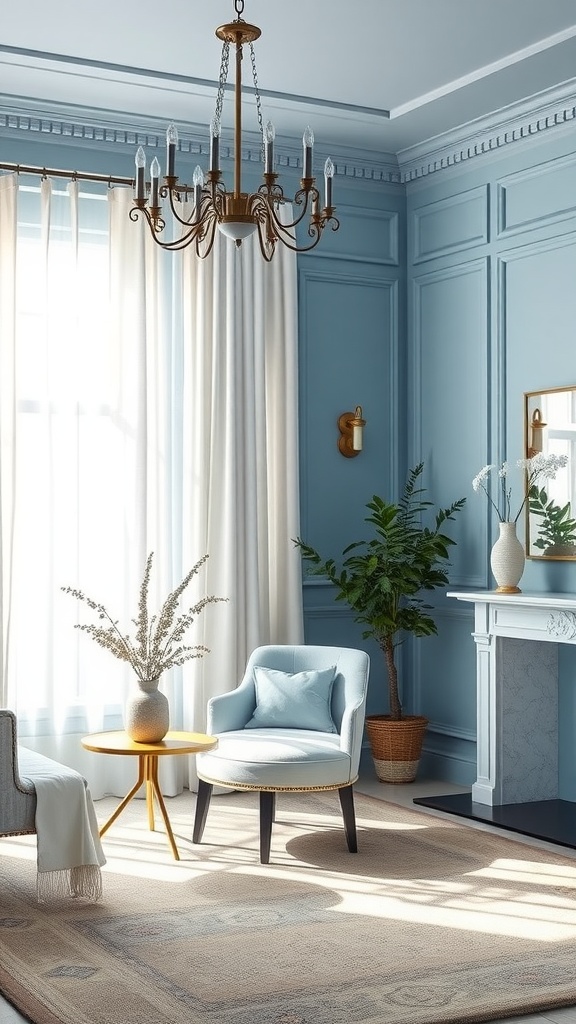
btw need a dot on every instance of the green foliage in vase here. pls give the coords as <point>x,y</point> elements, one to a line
<point>381,579</point>
<point>158,641</point>
<point>556,525</point>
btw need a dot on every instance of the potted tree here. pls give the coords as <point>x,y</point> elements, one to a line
<point>382,580</point>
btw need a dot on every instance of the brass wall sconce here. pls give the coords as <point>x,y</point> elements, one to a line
<point>351,427</point>
<point>537,426</point>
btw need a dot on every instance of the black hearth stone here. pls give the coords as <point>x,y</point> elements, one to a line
<point>551,820</point>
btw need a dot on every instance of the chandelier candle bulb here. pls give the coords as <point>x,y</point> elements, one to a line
<point>154,175</point>
<point>328,175</point>
<point>140,161</point>
<point>269,136</point>
<point>215,144</point>
<point>171,143</point>
<point>308,142</point>
<point>198,182</point>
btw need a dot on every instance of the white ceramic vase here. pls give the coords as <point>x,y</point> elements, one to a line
<point>507,560</point>
<point>147,712</point>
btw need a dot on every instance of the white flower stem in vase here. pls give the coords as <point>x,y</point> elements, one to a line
<point>507,557</point>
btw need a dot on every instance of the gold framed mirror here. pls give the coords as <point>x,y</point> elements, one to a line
<point>550,427</point>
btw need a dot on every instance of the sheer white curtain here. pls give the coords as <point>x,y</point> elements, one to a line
<point>240,497</point>
<point>155,409</point>
<point>227,485</point>
<point>8,228</point>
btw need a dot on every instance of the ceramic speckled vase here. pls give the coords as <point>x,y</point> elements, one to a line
<point>147,712</point>
<point>507,560</point>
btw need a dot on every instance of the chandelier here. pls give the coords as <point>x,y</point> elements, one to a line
<point>206,204</point>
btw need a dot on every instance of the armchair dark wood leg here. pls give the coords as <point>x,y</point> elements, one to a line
<point>267,807</point>
<point>347,804</point>
<point>202,805</point>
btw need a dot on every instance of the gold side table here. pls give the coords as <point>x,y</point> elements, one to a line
<point>148,754</point>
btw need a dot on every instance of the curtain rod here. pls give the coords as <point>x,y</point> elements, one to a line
<point>45,172</point>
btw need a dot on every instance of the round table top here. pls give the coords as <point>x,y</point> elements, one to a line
<point>173,743</point>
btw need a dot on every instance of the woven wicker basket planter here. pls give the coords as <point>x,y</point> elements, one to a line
<point>396,746</point>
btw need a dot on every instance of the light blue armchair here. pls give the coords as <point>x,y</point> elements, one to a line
<point>295,723</point>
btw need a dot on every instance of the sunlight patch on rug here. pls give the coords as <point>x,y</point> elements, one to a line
<point>431,922</point>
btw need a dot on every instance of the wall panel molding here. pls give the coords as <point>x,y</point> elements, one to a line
<point>327,612</point>
<point>477,268</point>
<point>379,229</point>
<point>459,221</point>
<point>316,292</point>
<point>537,197</point>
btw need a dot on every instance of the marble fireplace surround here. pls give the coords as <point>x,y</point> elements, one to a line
<point>517,637</point>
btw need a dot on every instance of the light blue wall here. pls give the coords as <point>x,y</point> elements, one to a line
<point>352,352</point>
<point>491,312</point>
<point>435,307</point>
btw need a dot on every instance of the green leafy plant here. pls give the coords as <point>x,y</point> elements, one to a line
<point>158,642</point>
<point>382,579</point>
<point>556,525</point>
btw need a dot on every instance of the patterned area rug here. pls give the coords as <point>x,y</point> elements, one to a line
<point>431,922</point>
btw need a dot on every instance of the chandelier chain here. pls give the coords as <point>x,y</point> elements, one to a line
<point>222,81</point>
<point>257,92</point>
<point>239,7</point>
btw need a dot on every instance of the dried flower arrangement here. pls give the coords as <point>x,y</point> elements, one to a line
<point>158,643</point>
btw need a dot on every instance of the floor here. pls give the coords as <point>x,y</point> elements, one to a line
<point>404,794</point>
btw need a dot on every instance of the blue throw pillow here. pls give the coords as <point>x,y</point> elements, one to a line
<point>299,700</point>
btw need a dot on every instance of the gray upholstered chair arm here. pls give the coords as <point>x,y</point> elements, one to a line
<point>9,773</point>
<point>17,795</point>
<point>232,710</point>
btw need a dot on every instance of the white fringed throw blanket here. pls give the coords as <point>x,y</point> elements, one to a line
<point>69,853</point>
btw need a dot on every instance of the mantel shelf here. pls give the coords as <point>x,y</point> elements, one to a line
<point>528,600</point>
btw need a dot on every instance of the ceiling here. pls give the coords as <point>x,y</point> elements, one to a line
<point>380,75</point>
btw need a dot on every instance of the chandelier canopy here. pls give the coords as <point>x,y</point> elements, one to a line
<point>206,204</point>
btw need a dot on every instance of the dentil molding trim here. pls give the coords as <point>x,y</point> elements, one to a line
<point>520,122</point>
<point>88,126</point>
<point>536,117</point>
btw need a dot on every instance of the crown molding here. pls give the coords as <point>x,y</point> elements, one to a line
<point>84,126</point>
<point>531,118</point>
<point>523,122</point>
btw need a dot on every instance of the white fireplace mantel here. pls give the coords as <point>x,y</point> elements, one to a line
<point>517,637</point>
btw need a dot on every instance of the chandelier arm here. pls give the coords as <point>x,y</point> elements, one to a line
<point>267,244</point>
<point>315,230</point>
<point>301,199</point>
<point>177,243</point>
<point>210,231</point>
<point>292,224</point>
<point>169,193</point>
<point>157,225</point>
<point>265,214</point>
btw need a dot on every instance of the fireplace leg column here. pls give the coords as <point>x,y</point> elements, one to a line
<point>517,718</point>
